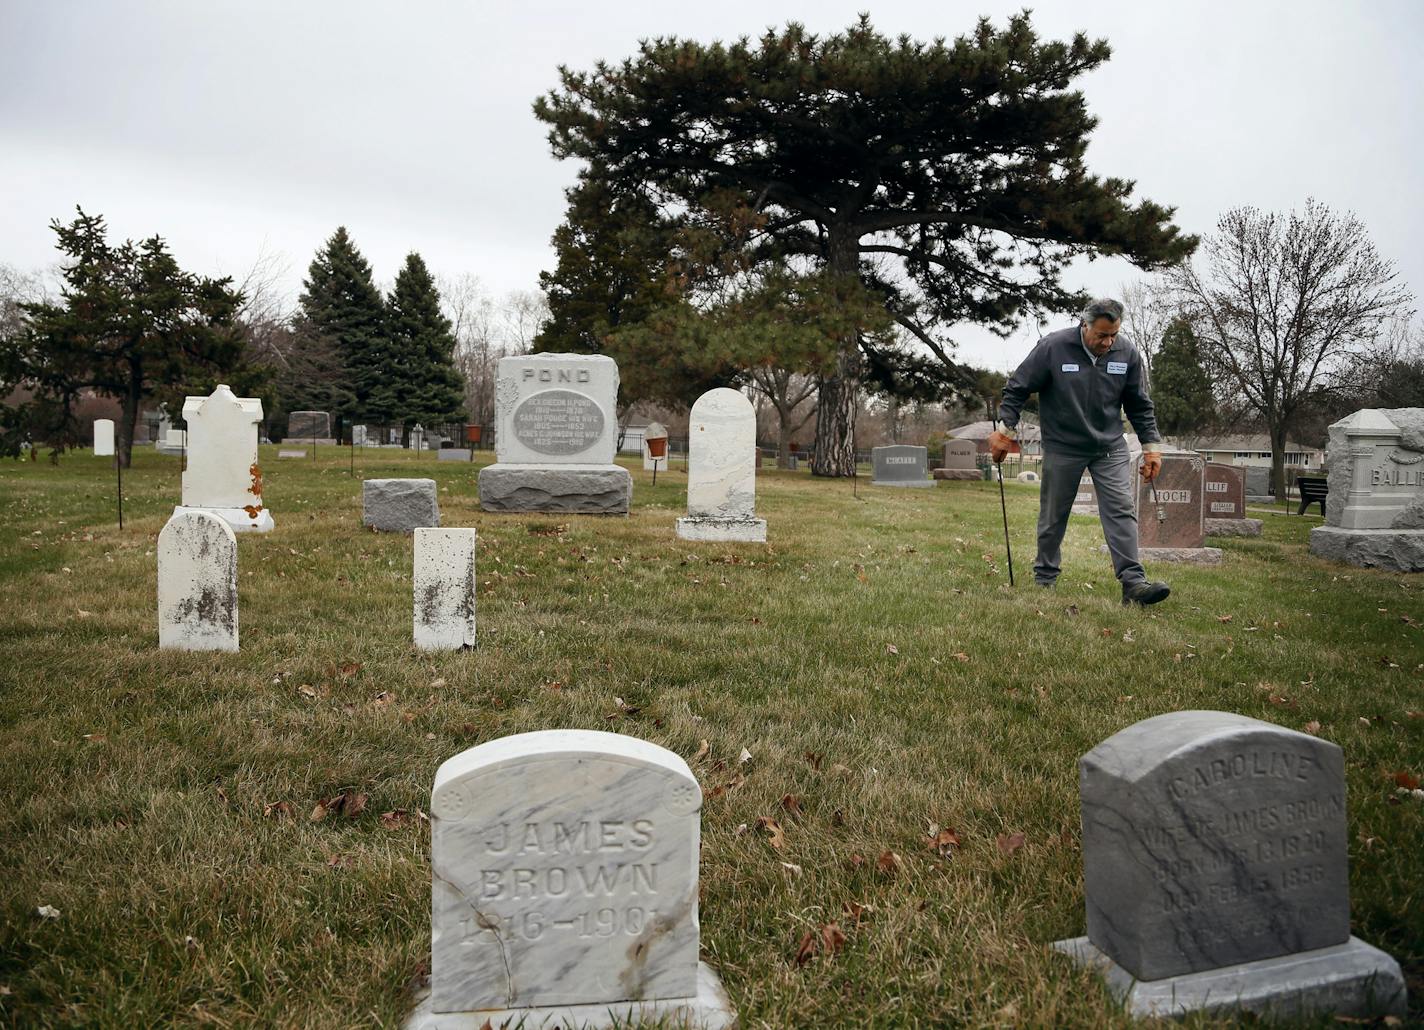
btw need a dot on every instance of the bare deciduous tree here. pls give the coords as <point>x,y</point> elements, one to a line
<point>1281,306</point>
<point>787,392</point>
<point>1148,309</point>
<point>486,329</point>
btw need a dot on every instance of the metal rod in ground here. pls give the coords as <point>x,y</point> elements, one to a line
<point>119,475</point>
<point>1004,507</point>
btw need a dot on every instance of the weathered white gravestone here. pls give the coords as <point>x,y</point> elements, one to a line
<point>103,437</point>
<point>223,476</point>
<point>1214,860</point>
<point>556,431</point>
<point>444,589</point>
<point>721,470</point>
<point>1374,512</point>
<point>900,465</point>
<point>564,887</point>
<point>197,583</point>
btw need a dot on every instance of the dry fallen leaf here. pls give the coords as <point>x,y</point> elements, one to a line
<point>792,868</point>
<point>944,842</point>
<point>745,757</point>
<point>1223,618</point>
<point>1313,726</point>
<point>806,950</point>
<point>395,819</point>
<point>278,810</point>
<point>1009,842</point>
<point>349,669</point>
<point>703,749</point>
<point>48,912</point>
<point>1407,780</point>
<point>774,830</point>
<point>792,805</point>
<point>889,863</point>
<point>856,910</point>
<point>891,649</point>
<point>832,938</point>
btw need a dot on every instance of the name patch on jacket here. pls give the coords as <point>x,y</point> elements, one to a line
<point>1117,368</point>
<point>1070,368</point>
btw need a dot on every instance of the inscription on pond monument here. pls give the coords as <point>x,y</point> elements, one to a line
<point>558,422</point>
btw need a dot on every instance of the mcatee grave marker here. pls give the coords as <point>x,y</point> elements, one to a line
<point>900,465</point>
<point>564,889</point>
<point>1214,860</point>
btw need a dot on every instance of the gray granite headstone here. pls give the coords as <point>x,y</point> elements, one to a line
<point>1224,502</point>
<point>900,465</point>
<point>309,425</point>
<point>453,454</point>
<point>1374,511</point>
<point>1258,482</point>
<point>961,454</point>
<point>399,505</point>
<point>1214,853</point>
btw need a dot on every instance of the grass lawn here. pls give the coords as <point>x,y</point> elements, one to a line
<point>872,659</point>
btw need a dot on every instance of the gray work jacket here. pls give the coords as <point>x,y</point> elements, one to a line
<point>1081,399</point>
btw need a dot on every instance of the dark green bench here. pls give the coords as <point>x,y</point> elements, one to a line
<point>1312,490</point>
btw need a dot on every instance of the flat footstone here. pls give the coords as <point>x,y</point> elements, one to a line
<point>1233,527</point>
<point>1350,979</point>
<point>399,505</point>
<point>574,489</point>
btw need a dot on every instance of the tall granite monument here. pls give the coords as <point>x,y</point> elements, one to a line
<point>1374,512</point>
<point>557,430</point>
<point>1215,867</point>
<point>564,887</point>
<point>223,476</point>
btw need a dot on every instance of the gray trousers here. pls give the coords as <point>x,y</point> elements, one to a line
<point>1112,474</point>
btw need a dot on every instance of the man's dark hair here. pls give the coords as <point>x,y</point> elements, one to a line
<point>1102,307</point>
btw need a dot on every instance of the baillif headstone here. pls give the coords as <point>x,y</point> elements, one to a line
<point>399,505</point>
<point>556,432</point>
<point>961,461</point>
<point>721,470</point>
<point>1224,502</point>
<point>103,438</point>
<point>444,579</point>
<point>1169,512</point>
<point>1215,868</point>
<point>564,887</point>
<point>309,426</point>
<point>197,583</point>
<point>223,476</point>
<point>900,465</point>
<point>1374,511</point>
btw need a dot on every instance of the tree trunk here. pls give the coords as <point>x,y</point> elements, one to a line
<point>129,425</point>
<point>1278,460</point>
<point>839,393</point>
<point>783,439</point>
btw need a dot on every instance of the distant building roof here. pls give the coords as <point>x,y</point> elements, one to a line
<point>1028,432</point>
<point>1255,444</point>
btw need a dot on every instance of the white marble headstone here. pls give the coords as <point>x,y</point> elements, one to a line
<point>721,470</point>
<point>444,589</point>
<point>564,873</point>
<point>223,476</point>
<point>103,437</point>
<point>197,583</point>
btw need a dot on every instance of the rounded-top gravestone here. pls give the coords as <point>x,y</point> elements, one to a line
<point>564,882</point>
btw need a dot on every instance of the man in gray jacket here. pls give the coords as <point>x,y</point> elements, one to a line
<point>1085,378</point>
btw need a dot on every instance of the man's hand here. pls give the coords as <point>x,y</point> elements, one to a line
<point>1151,465</point>
<point>1000,446</point>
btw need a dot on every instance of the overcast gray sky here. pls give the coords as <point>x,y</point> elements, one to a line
<point>229,128</point>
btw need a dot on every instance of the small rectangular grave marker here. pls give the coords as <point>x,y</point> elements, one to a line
<point>444,582</point>
<point>104,438</point>
<point>197,583</point>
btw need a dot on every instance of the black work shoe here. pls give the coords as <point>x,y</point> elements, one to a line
<point>1145,592</point>
<point>1046,584</point>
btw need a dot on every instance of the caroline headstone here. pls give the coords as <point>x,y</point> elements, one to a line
<point>197,583</point>
<point>1224,502</point>
<point>1374,511</point>
<point>961,461</point>
<point>900,465</point>
<point>721,470</point>
<point>223,476</point>
<point>444,582</point>
<point>556,432</point>
<point>564,887</point>
<point>1215,868</point>
<point>103,437</point>
<point>1169,512</point>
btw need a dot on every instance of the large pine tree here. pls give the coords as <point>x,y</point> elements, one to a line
<point>426,387</point>
<point>948,177</point>
<point>340,302</point>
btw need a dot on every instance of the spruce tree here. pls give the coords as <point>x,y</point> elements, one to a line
<point>1181,388</point>
<point>949,177</point>
<point>340,301</point>
<point>426,386</point>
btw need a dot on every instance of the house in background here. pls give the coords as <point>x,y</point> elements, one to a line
<point>1254,451</point>
<point>1029,437</point>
